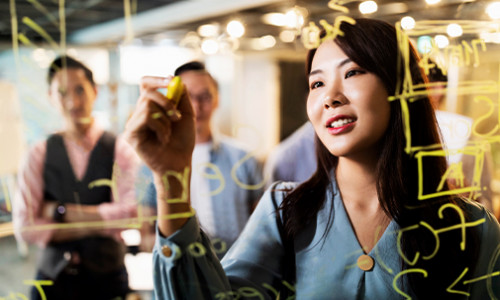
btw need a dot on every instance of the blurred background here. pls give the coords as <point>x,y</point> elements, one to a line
<point>254,48</point>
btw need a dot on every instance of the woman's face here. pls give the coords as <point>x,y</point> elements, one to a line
<point>347,105</point>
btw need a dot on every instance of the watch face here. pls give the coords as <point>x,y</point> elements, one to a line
<point>61,209</point>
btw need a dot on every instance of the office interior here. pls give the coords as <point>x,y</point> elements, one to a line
<point>256,51</point>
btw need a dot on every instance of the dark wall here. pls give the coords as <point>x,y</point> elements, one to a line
<point>293,96</point>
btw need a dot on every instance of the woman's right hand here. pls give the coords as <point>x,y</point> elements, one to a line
<point>162,135</point>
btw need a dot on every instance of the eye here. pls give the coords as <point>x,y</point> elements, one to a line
<point>79,90</point>
<point>351,73</point>
<point>316,84</point>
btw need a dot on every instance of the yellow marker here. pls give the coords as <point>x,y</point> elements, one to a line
<point>175,89</point>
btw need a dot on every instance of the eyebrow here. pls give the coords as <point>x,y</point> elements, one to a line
<point>342,63</point>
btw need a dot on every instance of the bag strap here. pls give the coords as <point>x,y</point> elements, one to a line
<point>286,289</point>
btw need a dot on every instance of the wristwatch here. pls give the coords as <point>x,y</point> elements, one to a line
<point>59,212</point>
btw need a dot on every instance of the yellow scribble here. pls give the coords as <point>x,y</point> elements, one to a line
<point>14,31</point>
<point>217,175</point>
<point>335,5</point>
<point>38,285</point>
<point>183,179</point>
<point>475,186</point>
<point>44,11</point>
<point>454,171</point>
<point>33,25</point>
<point>197,249</point>
<point>6,195</point>
<point>62,26</point>
<point>129,34</point>
<point>23,39</point>
<point>237,180</point>
<point>404,272</point>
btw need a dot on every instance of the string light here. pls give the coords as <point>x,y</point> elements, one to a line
<point>454,30</point>
<point>407,23</point>
<point>368,7</point>
<point>208,30</point>
<point>441,41</point>
<point>209,46</point>
<point>235,29</point>
<point>493,10</point>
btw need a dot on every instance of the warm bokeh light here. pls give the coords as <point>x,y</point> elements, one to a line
<point>368,7</point>
<point>235,29</point>
<point>276,19</point>
<point>441,41</point>
<point>262,43</point>
<point>294,18</point>
<point>209,46</point>
<point>493,10</point>
<point>432,2</point>
<point>454,30</point>
<point>407,23</point>
<point>208,30</point>
<point>287,36</point>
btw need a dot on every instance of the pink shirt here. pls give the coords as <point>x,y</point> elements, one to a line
<point>29,195</point>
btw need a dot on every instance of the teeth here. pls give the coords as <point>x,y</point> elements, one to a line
<point>341,122</point>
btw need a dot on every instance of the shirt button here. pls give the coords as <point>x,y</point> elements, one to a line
<point>167,251</point>
<point>365,262</point>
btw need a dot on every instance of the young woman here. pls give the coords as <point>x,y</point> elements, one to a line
<point>356,229</point>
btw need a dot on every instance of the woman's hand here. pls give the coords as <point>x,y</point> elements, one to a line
<point>162,135</point>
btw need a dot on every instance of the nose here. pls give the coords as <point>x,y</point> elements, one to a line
<point>330,102</point>
<point>72,101</point>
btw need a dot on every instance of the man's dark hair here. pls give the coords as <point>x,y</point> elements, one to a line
<point>67,62</point>
<point>195,66</point>
<point>190,66</point>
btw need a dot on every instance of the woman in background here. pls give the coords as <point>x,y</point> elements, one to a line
<point>356,229</point>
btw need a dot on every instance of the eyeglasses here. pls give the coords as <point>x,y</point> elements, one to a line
<point>203,98</point>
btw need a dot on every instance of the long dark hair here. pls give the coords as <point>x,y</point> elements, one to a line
<point>373,45</point>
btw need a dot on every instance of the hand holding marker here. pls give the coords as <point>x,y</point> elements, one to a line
<point>173,93</point>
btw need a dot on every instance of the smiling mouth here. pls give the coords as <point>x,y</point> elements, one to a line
<point>340,123</point>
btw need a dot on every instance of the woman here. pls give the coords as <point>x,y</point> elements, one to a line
<point>355,229</point>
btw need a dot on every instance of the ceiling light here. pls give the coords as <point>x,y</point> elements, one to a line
<point>368,7</point>
<point>208,30</point>
<point>262,43</point>
<point>493,10</point>
<point>454,30</point>
<point>268,41</point>
<point>407,23</point>
<point>294,18</point>
<point>395,8</point>
<point>441,41</point>
<point>287,36</point>
<point>235,29</point>
<point>432,2</point>
<point>276,19</point>
<point>209,46</point>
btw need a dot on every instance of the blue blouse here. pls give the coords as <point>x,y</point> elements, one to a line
<point>185,266</point>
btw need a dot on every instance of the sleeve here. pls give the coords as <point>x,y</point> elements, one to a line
<point>255,177</point>
<point>485,283</point>
<point>185,266</point>
<point>28,199</point>
<point>123,204</point>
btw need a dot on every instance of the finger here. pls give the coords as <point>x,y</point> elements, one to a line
<point>153,82</point>
<point>159,99</point>
<point>160,128</point>
<point>184,106</point>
